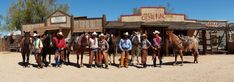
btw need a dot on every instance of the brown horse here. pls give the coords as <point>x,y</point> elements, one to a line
<point>113,41</point>
<point>186,44</point>
<point>25,44</point>
<point>83,43</point>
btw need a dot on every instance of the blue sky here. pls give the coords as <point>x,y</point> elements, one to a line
<point>194,9</point>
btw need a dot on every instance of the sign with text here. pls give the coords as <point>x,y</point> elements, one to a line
<point>214,23</point>
<point>152,14</point>
<point>58,19</point>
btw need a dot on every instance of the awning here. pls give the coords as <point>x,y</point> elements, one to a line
<point>41,30</point>
<point>176,25</point>
<point>123,25</point>
<point>168,25</point>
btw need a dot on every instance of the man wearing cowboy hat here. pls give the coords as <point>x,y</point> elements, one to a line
<point>37,46</point>
<point>103,49</point>
<point>93,45</point>
<point>125,46</point>
<point>61,46</point>
<point>145,44</point>
<point>156,48</point>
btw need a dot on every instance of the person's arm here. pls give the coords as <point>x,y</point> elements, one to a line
<point>120,45</point>
<point>149,44</point>
<point>55,40</point>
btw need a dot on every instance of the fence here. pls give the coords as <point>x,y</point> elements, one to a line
<point>3,44</point>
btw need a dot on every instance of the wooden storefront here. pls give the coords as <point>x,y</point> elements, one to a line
<point>60,21</point>
<point>215,36</point>
<point>155,18</point>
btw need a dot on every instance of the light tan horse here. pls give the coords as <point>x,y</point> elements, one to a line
<point>183,44</point>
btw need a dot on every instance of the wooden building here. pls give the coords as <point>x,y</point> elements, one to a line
<point>61,21</point>
<point>212,33</point>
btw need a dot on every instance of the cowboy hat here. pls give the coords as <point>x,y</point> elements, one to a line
<point>144,35</point>
<point>156,32</point>
<point>60,33</point>
<point>126,34</point>
<point>94,33</point>
<point>101,35</point>
<point>35,34</point>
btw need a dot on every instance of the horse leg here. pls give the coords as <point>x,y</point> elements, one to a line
<point>181,56</point>
<point>68,54</point>
<point>49,58</point>
<point>82,53</point>
<point>175,58</point>
<point>77,57</point>
<point>109,59</point>
<point>197,54</point>
<point>28,54</point>
<point>23,57</point>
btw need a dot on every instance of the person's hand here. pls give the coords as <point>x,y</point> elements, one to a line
<point>72,48</point>
<point>105,51</point>
<point>122,50</point>
<point>39,50</point>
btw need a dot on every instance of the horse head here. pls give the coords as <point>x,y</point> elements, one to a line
<point>84,39</point>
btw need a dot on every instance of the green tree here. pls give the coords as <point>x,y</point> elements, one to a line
<point>32,11</point>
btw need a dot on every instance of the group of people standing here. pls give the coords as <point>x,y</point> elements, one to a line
<point>59,45</point>
<point>139,48</point>
<point>99,47</point>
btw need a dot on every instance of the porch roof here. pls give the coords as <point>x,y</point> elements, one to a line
<point>167,25</point>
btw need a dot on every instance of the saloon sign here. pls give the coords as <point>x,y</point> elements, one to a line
<point>152,14</point>
<point>153,17</point>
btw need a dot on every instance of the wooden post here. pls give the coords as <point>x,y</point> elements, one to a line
<point>227,37</point>
<point>204,43</point>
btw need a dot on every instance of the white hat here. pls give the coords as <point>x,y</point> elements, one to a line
<point>144,35</point>
<point>126,34</point>
<point>94,33</point>
<point>101,35</point>
<point>60,33</point>
<point>35,34</point>
<point>156,32</point>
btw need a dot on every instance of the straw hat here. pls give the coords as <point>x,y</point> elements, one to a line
<point>156,32</point>
<point>94,33</point>
<point>60,33</point>
<point>126,34</point>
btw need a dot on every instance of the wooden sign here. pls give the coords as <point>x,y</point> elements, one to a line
<point>153,17</point>
<point>153,14</point>
<point>214,23</point>
<point>58,19</point>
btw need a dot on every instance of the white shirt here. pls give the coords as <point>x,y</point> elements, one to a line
<point>93,43</point>
<point>38,44</point>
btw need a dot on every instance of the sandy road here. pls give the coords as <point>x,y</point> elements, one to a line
<point>211,68</point>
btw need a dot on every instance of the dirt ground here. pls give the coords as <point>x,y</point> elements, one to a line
<point>211,68</point>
